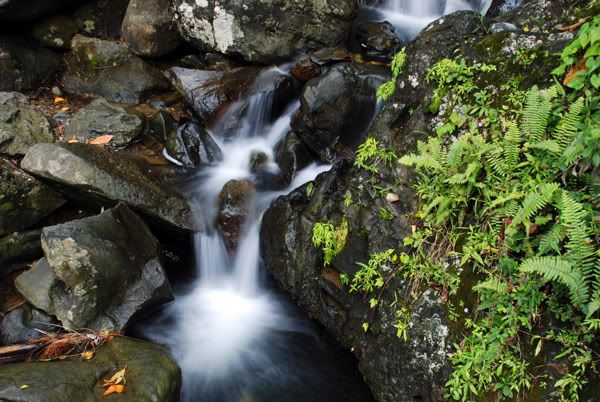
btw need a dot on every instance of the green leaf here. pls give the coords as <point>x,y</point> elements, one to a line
<point>595,80</point>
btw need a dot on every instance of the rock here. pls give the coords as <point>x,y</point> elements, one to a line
<point>305,69</point>
<point>336,109</point>
<point>24,323</point>
<point>499,27</point>
<point>207,61</point>
<point>21,125</point>
<point>330,55</point>
<point>24,66</point>
<point>55,32</point>
<point>258,161</point>
<point>99,272</point>
<point>266,32</point>
<point>148,28</point>
<point>151,375</point>
<point>500,7</point>
<point>236,202</point>
<point>161,125</point>
<point>292,156</point>
<point>378,40</point>
<point>104,118</point>
<point>98,176</point>
<point>207,92</point>
<point>191,146</point>
<point>19,247</point>
<point>17,10</point>
<point>23,199</point>
<point>101,18</point>
<point>108,69</point>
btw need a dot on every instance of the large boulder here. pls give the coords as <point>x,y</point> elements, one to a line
<point>24,65</point>
<point>262,31</point>
<point>378,40</point>
<point>151,375</point>
<point>23,199</point>
<point>108,69</point>
<point>21,126</point>
<point>99,272</point>
<point>336,109</point>
<point>98,176</point>
<point>105,118</point>
<point>148,28</point>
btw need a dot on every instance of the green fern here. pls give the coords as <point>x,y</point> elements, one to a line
<point>533,203</point>
<point>536,115</point>
<point>512,145</point>
<point>567,130</point>
<point>560,270</point>
<point>581,252</point>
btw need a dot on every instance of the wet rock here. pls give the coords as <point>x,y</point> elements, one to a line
<point>335,110</point>
<point>500,7</point>
<point>502,27</point>
<point>236,202</point>
<point>104,118</point>
<point>160,126</point>
<point>191,146</point>
<point>305,69</point>
<point>258,161</point>
<point>60,120</point>
<point>207,61</point>
<point>108,69</point>
<point>99,272</point>
<point>152,375</point>
<point>266,32</point>
<point>56,32</point>
<point>17,10</point>
<point>293,155</point>
<point>101,18</point>
<point>19,247</point>
<point>24,65</point>
<point>24,323</point>
<point>330,55</point>
<point>23,199</point>
<point>98,176</point>
<point>148,28</point>
<point>207,92</point>
<point>21,125</point>
<point>378,40</point>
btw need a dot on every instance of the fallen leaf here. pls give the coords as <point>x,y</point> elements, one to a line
<point>571,74</point>
<point>103,139</point>
<point>24,386</point>
<point>58,99</point>
<point>114,389</point>
<point>87,355</point>
<point>72,140</point>
<point>117,378</point>
<point>64,109</point>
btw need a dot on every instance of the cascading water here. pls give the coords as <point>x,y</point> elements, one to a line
<point>409,17</point>
<point>234,339</point>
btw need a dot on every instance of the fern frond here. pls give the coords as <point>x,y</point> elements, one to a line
<point>462,178</point>
<point>559,270</point>
<point>496,159</point>
<point>566,131</point>
<point>511,146</point>
<point>547,145</point>
<point>551,239</point>
<point>537,113</point>
<point>581,252</point>
<point>456,151</point>
<point>533,203</point>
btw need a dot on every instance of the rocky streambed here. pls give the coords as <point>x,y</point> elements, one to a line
<point>112,110</point>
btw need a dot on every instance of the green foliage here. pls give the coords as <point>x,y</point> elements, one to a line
<point>331,239</point>
<point>370,276</point>
<point>386,90</point>
<point>370,155</point>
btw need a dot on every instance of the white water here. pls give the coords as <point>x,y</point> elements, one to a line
<point>410,16</point>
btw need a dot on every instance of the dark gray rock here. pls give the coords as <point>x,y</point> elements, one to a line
<point>101,18</point>
<point>24,65</point>
<point>500,7</point>
<point>236,202</point>
<point>378,40</point>
<point>21,126</point>
<point>55,32</point>
<point>266,32</point>
<point>207,61</point>
<point>19,247</point>
<point>104,118</point>
<point>23,199</point>
<point>98,176</point>
<point>148,28</point>
<point>292,155</point>
<point>108,69</point>
<point>305,69</point>
<point>191,146</point>
<point>336,110</point>
<point>161,125</point>
<point>151,375</point>
<point>99,272</point>
<point>24,323</point>
<point>17,10</point>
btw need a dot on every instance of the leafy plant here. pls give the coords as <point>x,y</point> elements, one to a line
<point>331,239</point>
<point>370,155</point>
<point>386,90</point>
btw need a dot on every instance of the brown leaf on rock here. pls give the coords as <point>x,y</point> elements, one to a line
<point>102,140</point>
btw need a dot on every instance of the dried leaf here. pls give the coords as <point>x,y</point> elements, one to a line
<point>103,139</point>
<point>114,389</point>
<point>24,386</point>
<point>58,99</point>
<point>64,109</point>
<point>72,140</point>
<point>571,74</point>
<point>117,378</point>
<point>87,355</point>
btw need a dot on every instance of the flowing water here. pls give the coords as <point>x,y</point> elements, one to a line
<point>409,17</point>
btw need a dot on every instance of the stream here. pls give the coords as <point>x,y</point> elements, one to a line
<point>234,335</point>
